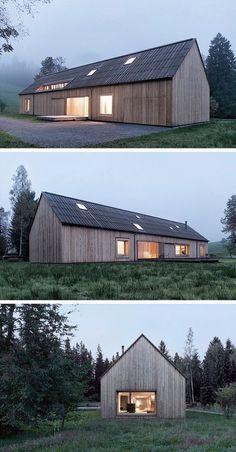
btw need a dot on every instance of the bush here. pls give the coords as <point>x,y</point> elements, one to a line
<point>227,399</point>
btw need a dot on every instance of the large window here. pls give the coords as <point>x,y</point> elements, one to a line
<point>122,248</point>
<point>106,105</point>
<point>136,403</point>
<point>52,86</point>
<point>182,250</point>
<point>148,250</point>
<point>27,105</point>
<point>202,251</point>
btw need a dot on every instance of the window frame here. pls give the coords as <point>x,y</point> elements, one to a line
<point>148,241</point>
<point>122,256</point>
<point>106,114</point>
<point>186,245</point>
<point>202,246</point>
<point>129,392</point>
<point>27,105</point>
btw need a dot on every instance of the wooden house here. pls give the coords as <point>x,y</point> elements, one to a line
<point>70,230</point>
<point>164,86</point>
<point>143,382</point>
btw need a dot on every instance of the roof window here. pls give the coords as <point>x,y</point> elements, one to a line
<point>130,60</point>
<point>91,72</point>
<point>171,228</point>
<point>177,226</point>
<point>137,216</point>
<point>81,206</point>
<point>138,226</point>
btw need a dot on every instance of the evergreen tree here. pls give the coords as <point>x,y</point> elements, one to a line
<point>189,353</point>
<point>213,370</point>
<point>221,71</point>
<point>99,370</point>
<point>228,363</point>
<point>23,207</point>
<point>229,222</point>
<point>51,65</point>
<point>3,231</point>
<point>83,358</point>
<point>163,349</point>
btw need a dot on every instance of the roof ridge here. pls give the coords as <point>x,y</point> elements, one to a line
<point>117,208</point>
<point>153,345</point>
<point>120,56</point>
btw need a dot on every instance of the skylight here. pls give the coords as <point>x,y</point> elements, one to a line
<point>137,216</point>
<point>91,72</point>
<point>177,226</point>
<point>81,206</point>
<point>130,60</point>
<point>138,226</point>
<point>171,228</point>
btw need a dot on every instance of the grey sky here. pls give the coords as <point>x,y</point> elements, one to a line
<point>179,186</point>
<point>117,325</point>
<point>85,31</point>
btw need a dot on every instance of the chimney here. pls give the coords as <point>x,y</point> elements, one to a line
<point>186,225</point>
<point>123,349</point>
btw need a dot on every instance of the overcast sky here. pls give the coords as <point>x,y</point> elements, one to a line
<point>86,31</point>
<point>179,186</point>
<point>115,325</point>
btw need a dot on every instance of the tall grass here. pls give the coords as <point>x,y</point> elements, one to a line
<point>159,281</point>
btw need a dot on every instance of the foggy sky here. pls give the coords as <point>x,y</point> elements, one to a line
<point>177,186</point>
<point>86,31</point>
<point>117,325</point>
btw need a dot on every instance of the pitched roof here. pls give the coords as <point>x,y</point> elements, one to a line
<point>112,218</point>
<point>151,64</point>
<point>157,349</point>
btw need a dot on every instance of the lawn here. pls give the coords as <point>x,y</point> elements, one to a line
<point>8,141</point>
<point>119,281</point>
<point>87,432</point>
<point>219,133</point>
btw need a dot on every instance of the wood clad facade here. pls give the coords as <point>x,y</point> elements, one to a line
<point>143,368</point>
<point>169,101</point>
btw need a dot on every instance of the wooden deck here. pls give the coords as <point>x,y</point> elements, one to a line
<point>62,118</point>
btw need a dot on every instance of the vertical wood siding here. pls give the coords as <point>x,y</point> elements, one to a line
<point>45,236</point>
<point>143,368</point>
<point>191,92</point>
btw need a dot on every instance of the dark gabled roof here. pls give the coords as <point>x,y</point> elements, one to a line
<point>112,218</point>
<point>151,64</point>
<point>157,349</point>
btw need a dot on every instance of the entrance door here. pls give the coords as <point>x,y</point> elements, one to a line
<point>78,106</point>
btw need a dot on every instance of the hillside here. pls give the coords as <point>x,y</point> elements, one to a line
<point>219,249</point>
<point>9,95</point>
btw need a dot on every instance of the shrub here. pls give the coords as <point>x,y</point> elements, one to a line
<point>227,399</point>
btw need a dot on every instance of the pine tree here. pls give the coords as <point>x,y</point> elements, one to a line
<point>51,65</point>
<point>228,363</point>
<point>189,353</point>
<point>99,370</point>
<point>163,349</point>
<point>23,207</point>
<point>221,71</point>
<point>229,222</point>
<point>213,370</point>
<point>3,231</point>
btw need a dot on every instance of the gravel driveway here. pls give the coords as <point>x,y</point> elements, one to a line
<point>74,134</point>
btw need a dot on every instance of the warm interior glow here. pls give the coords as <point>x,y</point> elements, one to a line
<point>91,72</point>
<point>136,403</point>
<point>122,248</point>
<point>106,105</point>
<point>138,226</point>
<point>202,251</point>
<point>182,250</point>
<point>27,105</point>
<point>77,106</point>
<point>130,60</point>
<point>81,206</point>
<point>148,250</point>
<point>52,86</point>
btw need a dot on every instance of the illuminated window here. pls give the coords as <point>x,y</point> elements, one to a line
<point>122,248</point>
<point>130,60</point>
<point>52,86</point>
<point>202,251</point>
<point>27,105</point>
<point>148,250</point>
<point>136,403</point>
<point>182,250</point>
<point>106,105</point>
<point>91,72</point>
<point>81,206</point>
<point>138,226</point>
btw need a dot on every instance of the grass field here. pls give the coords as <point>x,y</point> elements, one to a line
<point>8,141</point>
<point>119,281</point>
<point>87,432</point>
<point>219,133</point>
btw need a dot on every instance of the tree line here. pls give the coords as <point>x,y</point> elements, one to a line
<point>44,377</point>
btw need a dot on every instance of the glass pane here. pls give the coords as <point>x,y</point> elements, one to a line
<point>148,250</point>
<point>122,247</point>
<point>106,105</point>
<point>136,403</point>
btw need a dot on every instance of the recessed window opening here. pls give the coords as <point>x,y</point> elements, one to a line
<point>138,226</point>
<point>130,60</point>
<point>202,251</point>
<point>182,250</point>
<point>106,105</point>
<point>81,206</point>
<point>139,403</point>
<point>122,248</point>
<point>27,105</point>
<point>52,86</point>
<point>148,250</point>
